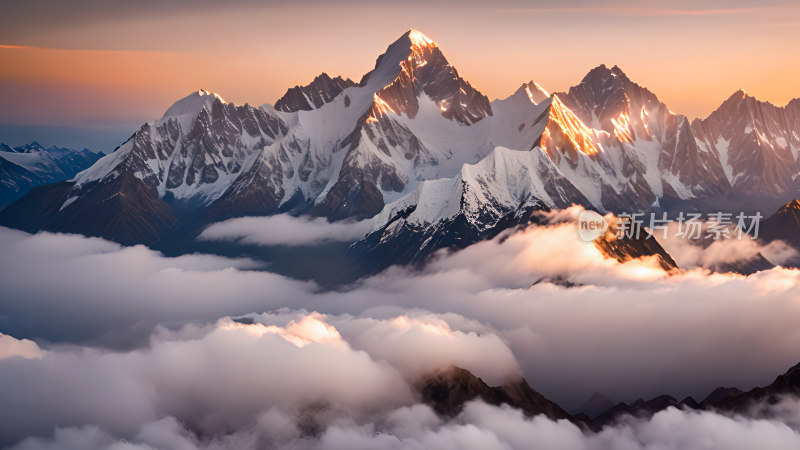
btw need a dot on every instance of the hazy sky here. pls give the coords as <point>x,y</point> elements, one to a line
<point>103,64</point>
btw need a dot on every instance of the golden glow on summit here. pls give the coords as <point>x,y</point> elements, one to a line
<point>420,40</point>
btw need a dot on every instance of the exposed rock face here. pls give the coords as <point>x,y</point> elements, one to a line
<point>642,151</point>
<point>724,400</point>
<point>124,210</point>
<point>784,225</point>
<point>637,245</point>
<point>312,96</point>
<point>181,160</point>
<point>448,390</point>
<point>426,71</point>
<point>25,167</point>
<point>441,166</point>
<point>757,143</point>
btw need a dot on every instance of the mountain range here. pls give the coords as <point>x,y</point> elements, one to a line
<point>446,391</point>
<point>427,155</point>
<point>27,166</point>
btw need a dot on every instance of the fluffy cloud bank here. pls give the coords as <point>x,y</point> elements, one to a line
<point>625,330</point>
<point>717,254</point>
<point>293,368</point>
<point>479,427</point>
<point>285,230</point>
<point>294,380</point>
<point>24,348</point>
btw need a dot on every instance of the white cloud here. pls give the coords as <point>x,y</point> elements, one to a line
<point>479,426</point>
<point>23,348</point>
<point>215,380</point>
<point>68,287</point>
<point>285,230</point>
<point>628,331</point>
<point>715,254</point>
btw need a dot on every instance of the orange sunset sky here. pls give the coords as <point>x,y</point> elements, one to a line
<point>112,64</point>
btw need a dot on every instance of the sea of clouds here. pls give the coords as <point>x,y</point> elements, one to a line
<point>105,346</point>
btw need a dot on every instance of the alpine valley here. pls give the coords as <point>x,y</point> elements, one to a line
<point>428,157</point>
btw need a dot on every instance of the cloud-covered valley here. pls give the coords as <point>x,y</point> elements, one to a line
<point>106,346</point>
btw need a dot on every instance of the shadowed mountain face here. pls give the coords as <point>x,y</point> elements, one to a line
<point>448,390</point>
<point>435,163</point>
<point>784,225</point>
<point>320,91</point>
<point>725,400</point>
<point>25,167</point>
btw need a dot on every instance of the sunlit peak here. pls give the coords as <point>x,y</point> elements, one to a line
<point>420,40</point>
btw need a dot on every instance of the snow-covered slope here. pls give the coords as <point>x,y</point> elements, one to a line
<point>418,145</point>
<point>757,143</point>
<point>611,145</point>
<point>412,118</point>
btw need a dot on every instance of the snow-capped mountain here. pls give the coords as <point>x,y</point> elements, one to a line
<point>623,150</point>
<point>25,167</point>
<point>340,155</point>
<point>412,118</point>
<point>185,159</point>
<point>757,144</point>
<point>427,154</point>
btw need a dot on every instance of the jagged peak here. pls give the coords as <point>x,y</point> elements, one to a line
<point>535,92</point>
<point>602,75</point>
<point>792,206</point>
<point>739,99</point>
<point>314,94</point>
<point>736,97</point>
<point>34,146</point>
<point>617,71</point>
<point>419,39</point>
<point>601,72</point>
<point>322,77</point>
<point>412,45</point>
<point>193,103</point>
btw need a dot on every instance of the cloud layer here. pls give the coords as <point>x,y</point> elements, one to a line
<point>285,230</point>
<point>129,345</point>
